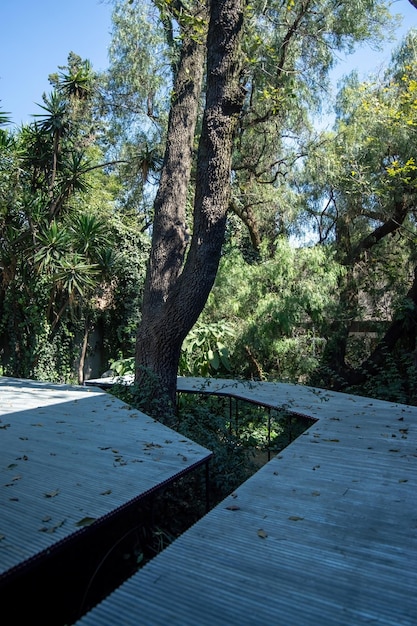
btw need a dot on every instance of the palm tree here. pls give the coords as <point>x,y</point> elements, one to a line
<point>57,123</point>
<point>74,168</point>
<point>78,83</point>
<point>90,234</point>
<point>52,243</point>
<point>55,255</point>
<point>4,135</point>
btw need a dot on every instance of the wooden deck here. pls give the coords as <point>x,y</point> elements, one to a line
<point>73,458</point>
<point>324,534</point>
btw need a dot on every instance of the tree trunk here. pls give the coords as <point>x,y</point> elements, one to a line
<point>177,286</point>
<point>83,352</point>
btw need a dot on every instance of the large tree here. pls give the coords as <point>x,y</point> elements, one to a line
<point>253,71</point>
<point>179,280</point>
<point>361,191</point>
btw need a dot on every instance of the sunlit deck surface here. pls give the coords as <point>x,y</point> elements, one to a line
<point>71,459</point>
<point>325,533</point>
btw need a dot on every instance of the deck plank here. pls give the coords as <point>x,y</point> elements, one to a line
<point>325,533</point>
<point>69,455</point>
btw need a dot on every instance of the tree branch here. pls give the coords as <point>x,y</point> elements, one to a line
<point>390,226</point>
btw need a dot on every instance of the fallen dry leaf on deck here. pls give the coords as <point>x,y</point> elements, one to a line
<point>262,534</point>
<point>51,529</point>
<point>52,494</point>
<point>86,521</point>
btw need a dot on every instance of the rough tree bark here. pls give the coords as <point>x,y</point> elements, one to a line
<point>179,280</point>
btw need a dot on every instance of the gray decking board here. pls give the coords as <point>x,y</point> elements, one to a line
<point>337,515</point>
<point>71,453</point>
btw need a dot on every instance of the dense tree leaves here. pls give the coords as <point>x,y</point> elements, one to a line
<point>55,255</point>
<point>199,142</point>
<point>279,307</point>
<point>361,192</point>
<point>285,51</point>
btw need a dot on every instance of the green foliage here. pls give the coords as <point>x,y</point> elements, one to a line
<point>204,350</point>
<point>78,82</point>
<point>76,277</point>
<point>359,187</point>
<point>55,119</point>
<point>278,308</point>
<point>378,150</point>
<point>54,357</point>
<point>394,381</point>
<point>266,431</point>
<point>201,421</point>
<point>123,367</point>
<point>121,316</point>
<point>4,136</point>
<point>32,350</point>
<point>52,242</point>
<point>58,233</point>
<point>146,396</point>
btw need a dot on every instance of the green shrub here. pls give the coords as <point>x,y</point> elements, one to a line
<point>205,351</point>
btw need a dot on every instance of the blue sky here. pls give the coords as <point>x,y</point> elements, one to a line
<point>37,36</point>
<point>367,60</point>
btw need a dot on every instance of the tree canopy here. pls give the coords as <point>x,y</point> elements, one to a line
<point>169,194</point>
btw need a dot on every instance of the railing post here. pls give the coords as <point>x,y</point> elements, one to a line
<point>207,473</point>
<point>269,433</point>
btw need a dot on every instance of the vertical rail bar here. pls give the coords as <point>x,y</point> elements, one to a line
<point>269,433</point>
<point>207,477</point>
<point>289,427</point>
